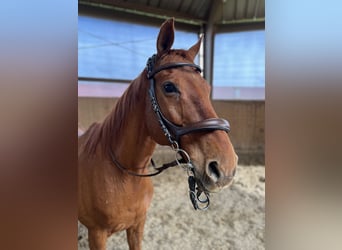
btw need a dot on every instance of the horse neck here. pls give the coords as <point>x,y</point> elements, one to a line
<point>130,141</point>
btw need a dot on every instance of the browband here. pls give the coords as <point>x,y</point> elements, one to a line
<point>171,66</point>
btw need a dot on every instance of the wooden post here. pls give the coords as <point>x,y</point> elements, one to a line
<point>209,35</point>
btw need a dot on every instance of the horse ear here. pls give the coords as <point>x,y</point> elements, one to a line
<point>166,37</point>
<point>193,51</point>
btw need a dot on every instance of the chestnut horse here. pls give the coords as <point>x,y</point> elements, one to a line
<point>110,155</point>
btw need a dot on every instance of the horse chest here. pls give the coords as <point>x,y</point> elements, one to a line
<point>123,206</point>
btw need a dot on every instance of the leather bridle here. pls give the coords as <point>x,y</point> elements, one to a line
<point>174,132</point>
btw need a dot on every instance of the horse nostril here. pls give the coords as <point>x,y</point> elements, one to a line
<point>234,172</point>
<point>214,172</point>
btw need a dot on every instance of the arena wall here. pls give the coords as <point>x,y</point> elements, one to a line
<point>247,120</point>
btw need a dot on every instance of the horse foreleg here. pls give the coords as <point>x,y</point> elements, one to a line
<point>135,235</point>
<point>97,239</point>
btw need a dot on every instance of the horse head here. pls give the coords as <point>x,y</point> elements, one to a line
<point>183,97</point>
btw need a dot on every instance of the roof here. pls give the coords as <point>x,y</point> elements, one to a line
<point>197,12</point>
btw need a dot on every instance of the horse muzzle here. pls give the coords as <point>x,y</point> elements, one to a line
<point>213,179</point>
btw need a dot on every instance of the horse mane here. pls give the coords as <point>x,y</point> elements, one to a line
<point>105,132</point>
<point>110,128</point>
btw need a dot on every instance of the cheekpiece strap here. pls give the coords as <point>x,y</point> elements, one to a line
<point>150,65</point>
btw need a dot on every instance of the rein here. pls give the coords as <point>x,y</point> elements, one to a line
<point>158,170</point>
<point>173,134</point>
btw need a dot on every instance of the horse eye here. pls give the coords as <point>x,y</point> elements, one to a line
<point>169,88</point>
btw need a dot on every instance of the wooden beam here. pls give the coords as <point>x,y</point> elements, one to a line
<point>209,34</point>
<point>240,25</point>
<point>99,79</point>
